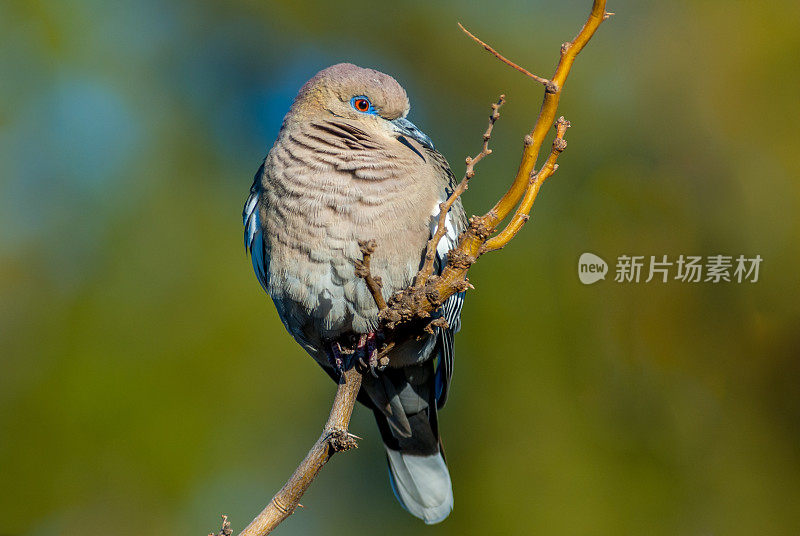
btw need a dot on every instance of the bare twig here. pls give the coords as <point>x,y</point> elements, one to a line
<point>363,271</point>
<point>444,207</point>
<point>335,438</point>
<point>544,81</point>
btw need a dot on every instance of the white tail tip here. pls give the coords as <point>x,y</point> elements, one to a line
<point>421,484</point>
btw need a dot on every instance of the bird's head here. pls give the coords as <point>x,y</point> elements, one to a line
<point>372,99</point>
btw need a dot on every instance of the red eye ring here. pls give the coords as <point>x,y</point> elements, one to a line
<point>362,105</point>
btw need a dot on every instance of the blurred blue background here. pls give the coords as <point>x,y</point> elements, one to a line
<point>147,385</point>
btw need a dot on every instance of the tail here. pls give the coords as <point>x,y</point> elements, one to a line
<point>405,410</point>
<point>422,484</point>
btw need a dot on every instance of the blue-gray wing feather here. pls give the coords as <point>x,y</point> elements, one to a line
<point>253,232</point>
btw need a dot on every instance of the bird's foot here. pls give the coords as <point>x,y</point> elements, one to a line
<point>357,350</point>
<point>367,351</point>
<point>336,357</point>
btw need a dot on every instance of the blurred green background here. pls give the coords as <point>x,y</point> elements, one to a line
<point>147,385</point>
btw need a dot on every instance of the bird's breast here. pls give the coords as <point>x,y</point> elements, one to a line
<point>316,206</point>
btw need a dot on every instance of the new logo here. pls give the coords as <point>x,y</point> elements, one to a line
<point>591,268</point>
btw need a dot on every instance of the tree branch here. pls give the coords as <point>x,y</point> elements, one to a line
<point>428,292</point>
<point>547,113</point>
<point>522,214</point>
<point>407,312</point>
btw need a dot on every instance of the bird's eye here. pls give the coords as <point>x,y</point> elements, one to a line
<point>361,104</point>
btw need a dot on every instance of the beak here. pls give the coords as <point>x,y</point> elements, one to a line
<point>404,127</point>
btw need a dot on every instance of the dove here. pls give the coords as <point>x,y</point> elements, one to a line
<point>349,166</point>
